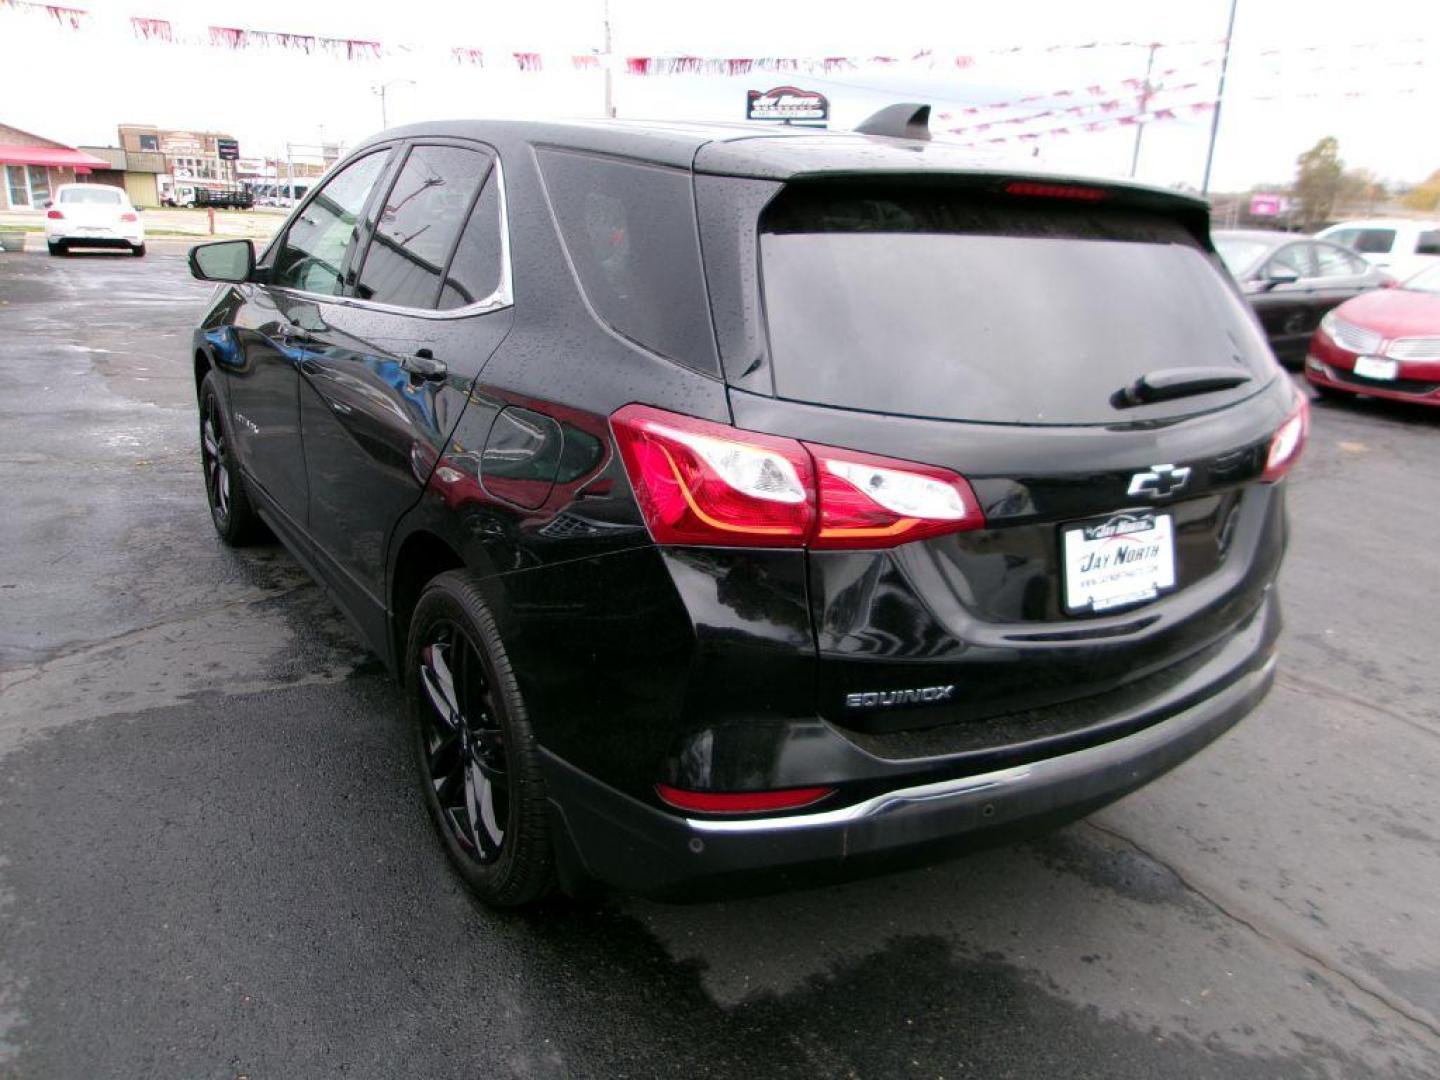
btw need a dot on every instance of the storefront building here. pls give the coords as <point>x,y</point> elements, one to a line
<point>34,167</point>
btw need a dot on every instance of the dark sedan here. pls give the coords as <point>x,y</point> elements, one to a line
<point>1292,281</point>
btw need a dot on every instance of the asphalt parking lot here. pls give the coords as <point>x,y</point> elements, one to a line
<point>213,862</point>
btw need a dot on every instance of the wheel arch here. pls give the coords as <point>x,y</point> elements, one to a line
<point>420,557</point>
<point>203,367</point>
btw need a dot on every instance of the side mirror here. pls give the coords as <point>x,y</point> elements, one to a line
<point>1278,276</point>
<point>46,205</point>
<point>224,260</point>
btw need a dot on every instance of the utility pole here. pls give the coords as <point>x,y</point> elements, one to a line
<point>609,62</point>
<point>1145,93</point>
<point>380,89</point>
<point>1219,100</point>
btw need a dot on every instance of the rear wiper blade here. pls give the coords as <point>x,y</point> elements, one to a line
<point>1170,383</point>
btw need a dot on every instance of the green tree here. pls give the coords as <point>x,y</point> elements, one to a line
<point>1424,196</point>
<point>1318,172</point>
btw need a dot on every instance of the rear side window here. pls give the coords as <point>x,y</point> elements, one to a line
<point>1428,243</point>
<point>418,225</point>
<point>1295,258</point>
<point>630,232</point>
<point>921,303</point>
<point>1374,241</point>
<point>1334,261</point>
<point>476,268</point>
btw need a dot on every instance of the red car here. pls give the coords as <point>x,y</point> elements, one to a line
<point>1384,344</point>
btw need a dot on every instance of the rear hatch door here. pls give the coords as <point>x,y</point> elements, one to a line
<point>1080,357</point>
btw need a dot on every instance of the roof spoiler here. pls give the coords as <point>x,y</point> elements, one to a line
<point>910,120</point>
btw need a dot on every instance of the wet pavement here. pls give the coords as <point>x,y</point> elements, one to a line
<point>214,863</point>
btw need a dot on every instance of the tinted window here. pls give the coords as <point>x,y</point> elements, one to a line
<point>323,233</point>
<point>99,196</point>
<point>922,304</point>
<point>1294,259</point>
<point>1333,261</point>
<point>1374,241</point>
<point>631,234</point>
<point>418,225</point>
<point>1428,243</point>
<point>475,269</point>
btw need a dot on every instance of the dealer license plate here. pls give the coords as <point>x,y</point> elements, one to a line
<point>1125,559</point>
<point>1375,367</point>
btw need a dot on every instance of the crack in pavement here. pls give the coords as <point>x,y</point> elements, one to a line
<point>1356,980</point>
<point>1300,682</point>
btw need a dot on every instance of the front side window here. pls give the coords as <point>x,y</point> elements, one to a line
<point>418,225</point>
<point>323,233</point>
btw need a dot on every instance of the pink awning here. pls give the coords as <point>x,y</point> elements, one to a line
<point>50,155</point>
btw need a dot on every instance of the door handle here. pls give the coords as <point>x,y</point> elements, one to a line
<point>424,366</point>
<point>293,338</point>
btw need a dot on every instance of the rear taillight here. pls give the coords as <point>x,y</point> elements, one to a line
<point>869,502</point>
<point>129,217</point>
<point>704,483</point>
<point>55,215</point>
<point>1287,443</point>
<point>741,802</point>
<point>708,484</point>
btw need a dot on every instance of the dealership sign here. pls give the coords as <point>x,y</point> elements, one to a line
<point>1268,205</point>
<point>228,149</point>
<point>788,104</point>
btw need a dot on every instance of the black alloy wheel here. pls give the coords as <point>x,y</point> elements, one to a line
<point>479,768</point>
<point>230,510</point>
<point>464,744</point>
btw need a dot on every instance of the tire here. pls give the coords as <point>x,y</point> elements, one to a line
<point>231,512</point>
<point>478,765</point>
<point>57,247</point>
<point>138,250</point>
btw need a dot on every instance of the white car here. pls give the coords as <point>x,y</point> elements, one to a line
<point>1397,245</point>
<point>92,215</point>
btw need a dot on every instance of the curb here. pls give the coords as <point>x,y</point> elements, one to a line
<point>166,245</point>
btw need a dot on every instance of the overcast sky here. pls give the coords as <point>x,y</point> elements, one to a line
<point>1356,71</point>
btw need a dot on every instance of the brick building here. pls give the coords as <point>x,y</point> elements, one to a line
<point>34,166</point>
<point>191,156</point>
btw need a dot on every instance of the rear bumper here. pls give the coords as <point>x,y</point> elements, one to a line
<point>639,848</point>
<point>106,238</point>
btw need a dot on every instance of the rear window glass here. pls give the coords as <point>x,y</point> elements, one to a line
<point>105,196</point>
<point>631,235</point>
<point>922,304</point>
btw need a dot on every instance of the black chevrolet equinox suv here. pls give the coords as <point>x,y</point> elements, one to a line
<point>749,507</point>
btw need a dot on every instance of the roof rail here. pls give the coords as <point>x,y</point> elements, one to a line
<point>910,120</point>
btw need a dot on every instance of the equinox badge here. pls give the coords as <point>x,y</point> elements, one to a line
<point>884,699</point>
